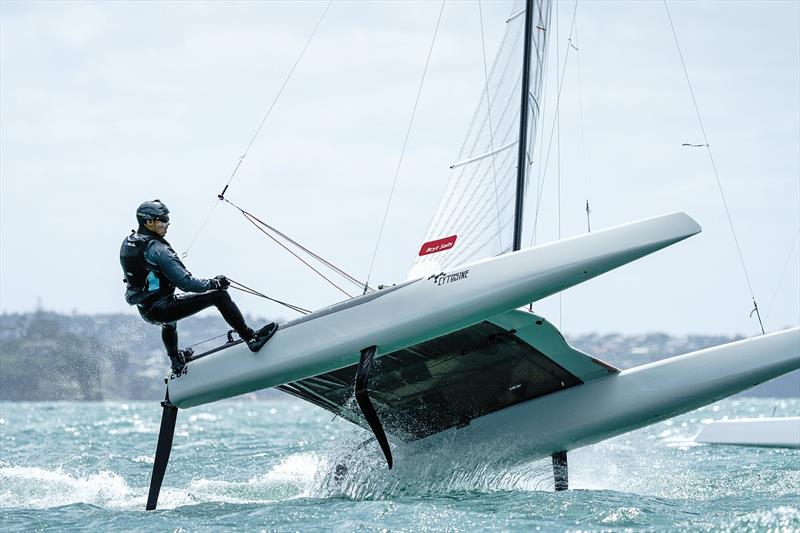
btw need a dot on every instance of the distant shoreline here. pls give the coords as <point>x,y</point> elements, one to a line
<point>46,357</point>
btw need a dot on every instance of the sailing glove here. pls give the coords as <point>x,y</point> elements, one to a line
<point>220,282</point>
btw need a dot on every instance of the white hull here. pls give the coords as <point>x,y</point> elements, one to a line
<point>422,309</point>
<point>779,432</point>
<point>603,406</point>
<point>632,399</point>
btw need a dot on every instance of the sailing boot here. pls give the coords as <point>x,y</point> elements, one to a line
<point>179,361</point>
<point>261,336</point>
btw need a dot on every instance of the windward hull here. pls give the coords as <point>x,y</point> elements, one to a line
<point>429,308</point>
<point>422,309</point>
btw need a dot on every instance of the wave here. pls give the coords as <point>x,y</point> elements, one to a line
<point>41,488</point>
<point>33,487</point>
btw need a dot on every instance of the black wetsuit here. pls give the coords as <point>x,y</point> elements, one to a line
<point>152,272</point>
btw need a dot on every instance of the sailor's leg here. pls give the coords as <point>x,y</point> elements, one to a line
<point>232,315</point>
<point>188,304</point>
<point>230,312</point>
<point>169,336</point>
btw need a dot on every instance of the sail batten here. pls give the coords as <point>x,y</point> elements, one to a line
<point>483,156</point>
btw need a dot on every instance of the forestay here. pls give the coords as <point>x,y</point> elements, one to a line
<point>475,217</point>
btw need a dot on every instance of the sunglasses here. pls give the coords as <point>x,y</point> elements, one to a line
<point>163,218</point>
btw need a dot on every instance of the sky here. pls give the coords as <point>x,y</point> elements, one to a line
<point>105,105</point>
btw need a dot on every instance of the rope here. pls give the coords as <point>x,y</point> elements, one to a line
<point>403,151</point>
<point>260,126</point>
<point>263,227</point>
<point>491,127</point>
<point>260,224</point>
<point>714,167</point>
<point>277,96</point>
<point>200,230</point>
<point>320,274</point>
<point>238,286</point>
<point>244,288</point>
<point>205,341</point>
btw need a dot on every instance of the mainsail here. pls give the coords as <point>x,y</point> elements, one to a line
<point>475,217</point>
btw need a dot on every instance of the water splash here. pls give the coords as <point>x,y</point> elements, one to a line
<point>31,487</point>
<point>272,465</point>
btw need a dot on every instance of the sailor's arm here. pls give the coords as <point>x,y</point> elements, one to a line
<point>171,266</point>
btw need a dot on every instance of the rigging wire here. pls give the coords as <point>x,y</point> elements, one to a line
<point>783,273</point>
<point>581,126</point>
<point>258,129</point>
<point>714,167</point>
<point>244,288</point>
<point>491,127</point>
<point>542,62</point>
<point>403,150</point>
<point>200,229</point>
<point>265,228</point>
<point>560,82</point>
<point>254,221</point>
<point>542,134</point>
<point>285,237</point>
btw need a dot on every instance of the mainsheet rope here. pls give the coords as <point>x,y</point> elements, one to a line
<point>716,174</point>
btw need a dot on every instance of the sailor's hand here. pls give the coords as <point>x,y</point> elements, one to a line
<point>220,282</point>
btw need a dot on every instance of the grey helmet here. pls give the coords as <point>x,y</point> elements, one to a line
<point>152,210</point>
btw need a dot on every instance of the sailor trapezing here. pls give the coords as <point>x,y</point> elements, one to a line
<point>153,271</point>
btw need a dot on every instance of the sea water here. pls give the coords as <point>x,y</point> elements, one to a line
<point>268,466</point>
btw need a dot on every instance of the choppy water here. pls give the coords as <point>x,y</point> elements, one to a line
<point>267,465</point>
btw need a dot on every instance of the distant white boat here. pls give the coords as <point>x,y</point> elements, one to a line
<point>782,432</point>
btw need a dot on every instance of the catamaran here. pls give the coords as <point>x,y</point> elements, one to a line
<point>453,356</point>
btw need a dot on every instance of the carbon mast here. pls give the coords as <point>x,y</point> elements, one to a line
<point>523,127</point>
<point>560,465</point>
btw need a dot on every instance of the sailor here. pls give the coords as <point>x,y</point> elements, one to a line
<point>153,271</point>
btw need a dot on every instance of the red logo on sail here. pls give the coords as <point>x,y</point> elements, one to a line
<point>438,245</point>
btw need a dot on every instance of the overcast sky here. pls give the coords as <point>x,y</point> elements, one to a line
<point>105,105</point>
